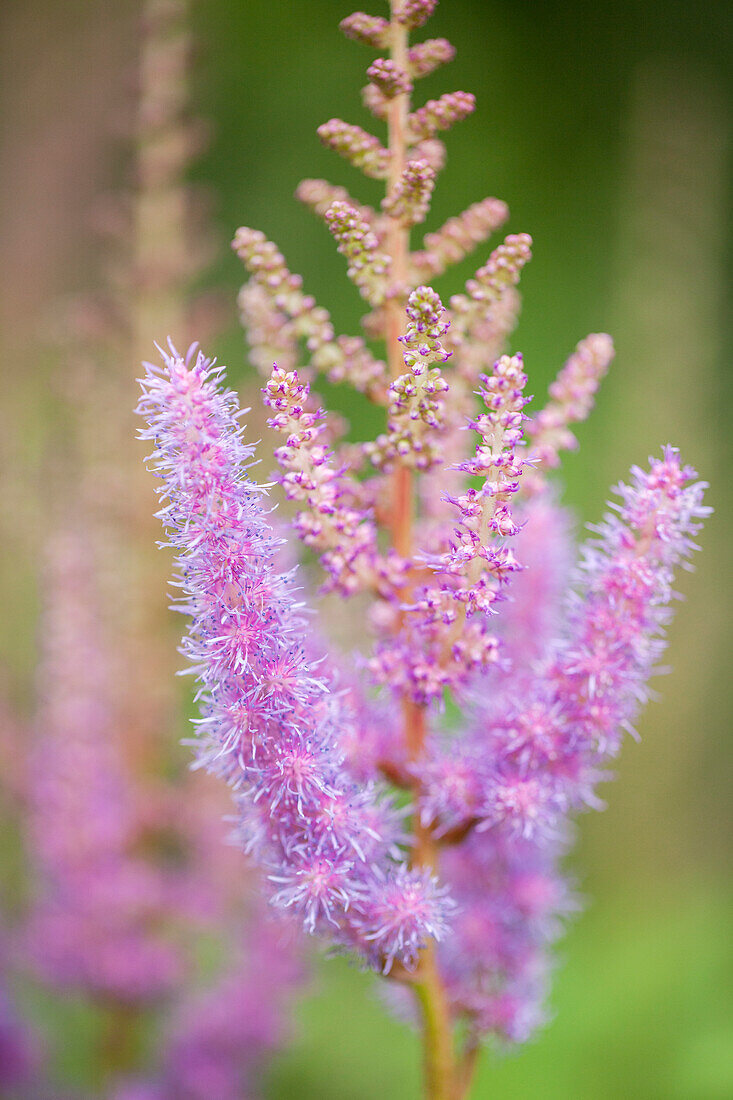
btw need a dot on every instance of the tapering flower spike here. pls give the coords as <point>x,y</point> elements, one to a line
<point>571,398</point>
<point>270,725</point>
<point>361,149</point>
<point>440,114</point>
<point>409,200</point>
<point>590,684</point>
<point>367,265</point>
<point>415,407</point>
<point>616,623</point>
<point>97,924</point>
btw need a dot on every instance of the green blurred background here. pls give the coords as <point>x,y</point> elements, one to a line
<point>607,130</point>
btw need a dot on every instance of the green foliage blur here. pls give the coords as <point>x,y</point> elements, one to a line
<point>607,130</point>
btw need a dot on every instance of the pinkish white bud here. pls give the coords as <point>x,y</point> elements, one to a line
<point>367,265</point>
<point>424,58</point>
<point>409,199</point>
<point>440,114</point>
<point>413,13</point>
<point>389,78</point>
<point>370,30</point>
<point>357,146</point>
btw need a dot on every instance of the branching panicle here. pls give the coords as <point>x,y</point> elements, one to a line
<point>452,534</point>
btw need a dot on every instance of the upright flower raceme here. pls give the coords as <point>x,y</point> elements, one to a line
<point>446,529</point>
<point>100,909</point>
<point>270,724</point>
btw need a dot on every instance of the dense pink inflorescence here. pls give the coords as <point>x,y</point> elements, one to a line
<point>331,523</point>
<point>446,524</point>
<point>571,398</point>
<point>416,409</point>
<point>537,744</point>
<point>356,241</point>
<point>269,723</point>
<point>539,737</point>
<point>409,200</point>
<point>100,910</point>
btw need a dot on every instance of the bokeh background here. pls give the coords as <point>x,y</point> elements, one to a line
<point>607,130</point>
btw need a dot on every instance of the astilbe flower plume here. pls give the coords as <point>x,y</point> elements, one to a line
<point>446,526</point>
<point>129,870</point>
<point>270,724</point>
<point>98,917</point>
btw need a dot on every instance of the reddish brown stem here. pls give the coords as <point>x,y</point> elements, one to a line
<point>426,981</point>
<point>119,1039</point>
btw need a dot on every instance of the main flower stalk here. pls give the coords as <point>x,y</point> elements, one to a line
<point>437,1032</point>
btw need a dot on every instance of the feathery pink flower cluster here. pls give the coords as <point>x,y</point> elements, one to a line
<point>127,871</point>
<point>98,920</point>
<point>415,410</point>
<point>446,523</point>
<point>571,398</point>
<point>270,725</point>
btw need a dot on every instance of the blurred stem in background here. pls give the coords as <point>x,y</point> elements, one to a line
<point>119,1043</point>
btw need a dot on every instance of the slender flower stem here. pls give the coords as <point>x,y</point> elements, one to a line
<point>438,1054</point>
<point>438,1059</point>
<point>398,243</point>
<point>466,1069</point>
<point>118,1042</point>
<point>161,250</point>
